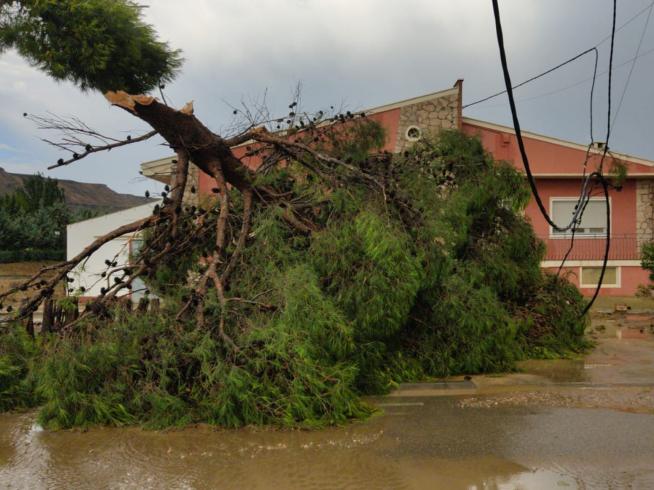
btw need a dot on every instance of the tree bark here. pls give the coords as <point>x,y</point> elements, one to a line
<point>181,129</point>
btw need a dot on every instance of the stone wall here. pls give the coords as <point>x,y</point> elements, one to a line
<point>193,180</point>
<point>429,116</point>
<point>644,211</point>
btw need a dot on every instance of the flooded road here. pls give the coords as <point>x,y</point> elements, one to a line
<point>562,424</point>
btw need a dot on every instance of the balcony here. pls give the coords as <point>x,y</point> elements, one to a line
<point>623,247</point>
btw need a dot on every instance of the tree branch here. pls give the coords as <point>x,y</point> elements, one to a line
<point>95,149</point>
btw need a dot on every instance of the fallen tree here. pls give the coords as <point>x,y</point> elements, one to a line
<point>291,320</point>
<point>329,270</point>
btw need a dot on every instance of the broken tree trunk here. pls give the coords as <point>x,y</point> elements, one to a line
<point>182,130</point>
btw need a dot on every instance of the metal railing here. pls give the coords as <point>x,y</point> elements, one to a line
<point>623,247</point>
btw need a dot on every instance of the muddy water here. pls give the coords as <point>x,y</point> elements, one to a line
<point>426,442</point>
<point>563,424</point>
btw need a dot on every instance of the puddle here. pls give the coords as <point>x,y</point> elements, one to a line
<point>557,424</point>
<point>421,443</point>
<point>556,370</point>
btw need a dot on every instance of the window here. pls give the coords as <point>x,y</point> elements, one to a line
<point>589,277</point>
<point>135,246</point>
<point>593,221</point>
<point>413,133</point>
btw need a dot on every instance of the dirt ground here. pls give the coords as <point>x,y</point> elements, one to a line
<point>14,273</point>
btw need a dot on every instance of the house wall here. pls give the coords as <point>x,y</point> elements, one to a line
<point>623,220</point>
<point>548,156</point>
<point>430,114</point>
<point>558,166</point>
<point>631,276</point>
<point>82,234</point>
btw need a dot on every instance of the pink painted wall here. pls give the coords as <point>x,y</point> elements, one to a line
<point>389,120</point>
<point>552,157</point>
<point>623,222</point>
<point>631,278</point>
<point>545,157</point>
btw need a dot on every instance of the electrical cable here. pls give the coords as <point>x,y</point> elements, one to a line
<point>576,84</point>
<point>595,175</point>
<point>607,244</point>
<point>547,72</point>
<point>600,177</point>
<point>585,166</point>
<point>574,58</point>
<point>518,132</point>
<point>633,64</point>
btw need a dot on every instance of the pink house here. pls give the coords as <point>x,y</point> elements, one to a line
<point>557,165</point>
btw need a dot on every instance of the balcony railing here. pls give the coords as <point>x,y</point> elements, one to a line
<point>623,247</point>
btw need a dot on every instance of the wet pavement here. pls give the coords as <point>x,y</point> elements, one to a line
<point>586,423</point>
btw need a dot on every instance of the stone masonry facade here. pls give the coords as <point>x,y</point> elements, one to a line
<point>644,211</point>
<point>429,117</point>
<point>192,181</point>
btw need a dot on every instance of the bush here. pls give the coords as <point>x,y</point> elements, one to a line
<point>146,370</point>
<point>647,258</point>
<point>552,319</point>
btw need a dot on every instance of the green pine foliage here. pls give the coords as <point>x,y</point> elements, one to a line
<point>647,258</point>
<point>33,221</point>
<point>438,277</point>
<point>17,354</point>
<point>97,44</point>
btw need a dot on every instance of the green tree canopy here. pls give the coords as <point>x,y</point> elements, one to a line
<point>33,221</point>
<point>37,192</point>
<point>97,44</point>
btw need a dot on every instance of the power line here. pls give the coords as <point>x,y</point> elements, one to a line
<point>518,132</point>
<point>600,177</point>
<point>547,72</point>
<point>595,175</point>
<point>633,64</point>
<point>574,58</point>
<point>580,82</point>
<point>627,22</point>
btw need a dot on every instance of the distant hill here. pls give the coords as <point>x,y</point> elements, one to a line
<point>79,195</point>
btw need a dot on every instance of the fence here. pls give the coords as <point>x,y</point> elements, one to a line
<point>623,247</point>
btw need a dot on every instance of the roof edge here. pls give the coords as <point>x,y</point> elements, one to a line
<point>558,141</point>
<point>412,100</point>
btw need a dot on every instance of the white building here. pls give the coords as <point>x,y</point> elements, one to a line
<point>88,274</point>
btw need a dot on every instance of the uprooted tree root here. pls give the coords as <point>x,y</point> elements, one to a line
<point>327,272</point>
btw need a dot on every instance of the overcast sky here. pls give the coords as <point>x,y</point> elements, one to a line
<point>360,53</point>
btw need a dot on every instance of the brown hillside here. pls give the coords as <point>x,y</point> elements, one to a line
<point>78,194</point>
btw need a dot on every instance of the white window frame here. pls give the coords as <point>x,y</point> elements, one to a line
<point>618,277</point>
<point>413,138</point>
<point>568,234</point>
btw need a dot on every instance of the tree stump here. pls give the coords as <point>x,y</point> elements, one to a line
<point>47,323</point>
<point>29,325</point>
<point>143,305</point>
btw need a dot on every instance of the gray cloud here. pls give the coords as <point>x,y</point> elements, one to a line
<point>363,53</point>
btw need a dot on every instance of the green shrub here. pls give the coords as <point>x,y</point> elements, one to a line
<point>647,258</point>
